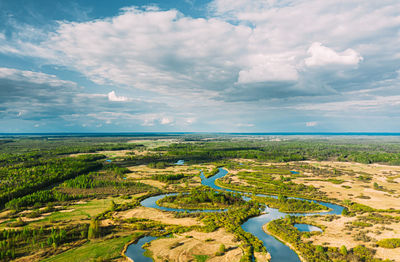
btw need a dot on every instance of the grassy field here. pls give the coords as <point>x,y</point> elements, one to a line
<point>78,212</point>
<point>104,249</point>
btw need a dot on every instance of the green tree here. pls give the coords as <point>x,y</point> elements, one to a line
<point>94,230</point>
<point>222,248</point>
<point>343,250</point>
<point>113,205</point>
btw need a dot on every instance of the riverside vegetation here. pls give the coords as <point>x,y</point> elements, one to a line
<point>64,197</point>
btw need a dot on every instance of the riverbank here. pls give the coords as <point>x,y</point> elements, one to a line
<point>302,259</point>
<point>125,248</point>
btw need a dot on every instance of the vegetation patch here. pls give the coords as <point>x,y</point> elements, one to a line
<point>202,198</point>
<point>284,229</point>
<point>389,243</point>
<point>101,250</point>
<point>232,220</point>
<point>201,258</point>
<point>288,205</point>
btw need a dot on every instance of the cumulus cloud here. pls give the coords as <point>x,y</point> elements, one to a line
<point>156,49</point>
<point>322,56</point>
<point>114,98</point>
<point>169,53</point>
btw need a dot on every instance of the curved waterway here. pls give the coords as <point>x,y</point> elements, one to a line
<point>279,251</point>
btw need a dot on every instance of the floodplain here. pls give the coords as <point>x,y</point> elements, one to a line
<point>84,198</point>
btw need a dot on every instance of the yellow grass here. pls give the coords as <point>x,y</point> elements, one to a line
<point>144,173</point>
<point>197,244</point>
<point>380,174</point>
<point>337,235</point>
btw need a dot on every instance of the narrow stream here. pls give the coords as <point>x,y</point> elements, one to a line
<point>135,251</point>
<point>279,251</point>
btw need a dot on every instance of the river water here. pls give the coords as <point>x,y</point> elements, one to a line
<point>279,251</point>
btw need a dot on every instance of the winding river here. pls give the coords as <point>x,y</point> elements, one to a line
<point>279,251</point>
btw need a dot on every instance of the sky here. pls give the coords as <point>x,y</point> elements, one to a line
<point>199,66</point>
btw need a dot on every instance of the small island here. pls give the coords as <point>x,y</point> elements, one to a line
<point>200,198</point>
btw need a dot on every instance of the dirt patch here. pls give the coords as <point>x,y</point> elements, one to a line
<point>234,180</point>
<point>106,222</point>
<point>5,213</point>
<point>334,234</point>
<point>27,219</point>
<point>154,183</point>
<point>158,215</point>
<point>384,253</point>
<point>66,210</point>
<point>184,247</point>
<point>261,256</point>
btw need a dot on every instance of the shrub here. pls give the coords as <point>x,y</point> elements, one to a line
<point>389,243</point>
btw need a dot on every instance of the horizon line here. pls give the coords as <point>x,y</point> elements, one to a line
<point>204,133</point>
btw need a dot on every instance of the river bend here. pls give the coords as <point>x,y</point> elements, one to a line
<point>278,250</point>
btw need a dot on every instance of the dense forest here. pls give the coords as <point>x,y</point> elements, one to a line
<point>284,151</point>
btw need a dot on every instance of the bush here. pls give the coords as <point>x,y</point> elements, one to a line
<point>389,243</point>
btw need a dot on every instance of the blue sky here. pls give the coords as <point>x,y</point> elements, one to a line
<point>208,66</point>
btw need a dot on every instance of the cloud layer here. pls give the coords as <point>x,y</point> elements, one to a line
<point>256,59</point>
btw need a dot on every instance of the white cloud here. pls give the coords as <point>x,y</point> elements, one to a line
<point>169,53</point>
<point>157,50</point>
<point>113,97</point>
<point>310,124</point>
<point>166,121</point>
<point>322,56</point>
